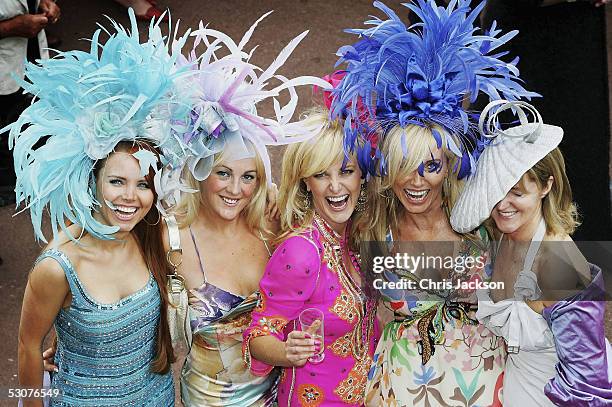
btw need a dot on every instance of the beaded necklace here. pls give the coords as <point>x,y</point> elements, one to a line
<point>334,245</point>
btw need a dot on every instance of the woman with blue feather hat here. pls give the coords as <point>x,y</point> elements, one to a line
<point>419,142</point>
<point>100,118</point>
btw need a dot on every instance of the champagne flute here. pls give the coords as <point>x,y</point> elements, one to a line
<point>311,322</point>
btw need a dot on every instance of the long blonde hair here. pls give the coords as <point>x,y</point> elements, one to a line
<point>418,141</point>
<point>305,159</point>
<point>188,208</point>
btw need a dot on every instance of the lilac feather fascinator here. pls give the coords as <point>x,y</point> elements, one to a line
<point>224,88</point>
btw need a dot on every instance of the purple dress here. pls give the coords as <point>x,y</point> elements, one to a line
<point>584,371</point>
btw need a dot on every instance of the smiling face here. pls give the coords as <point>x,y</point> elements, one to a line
<point>518,214</point>
<point>119,182</point>
<point>335,192</point>
<point>230,187</point>
<point>421,190</point>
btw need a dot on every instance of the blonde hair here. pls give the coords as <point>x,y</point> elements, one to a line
<point>558,209</point>
<point>188,208</point>
<point>302,160</point>
<point>418,142</point>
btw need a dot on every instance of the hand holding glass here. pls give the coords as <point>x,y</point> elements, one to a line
<point>311,322</point>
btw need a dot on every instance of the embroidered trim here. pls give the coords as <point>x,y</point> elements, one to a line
<point>310,395</point>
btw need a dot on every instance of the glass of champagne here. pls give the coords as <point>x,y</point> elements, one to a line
<point>311,322</point>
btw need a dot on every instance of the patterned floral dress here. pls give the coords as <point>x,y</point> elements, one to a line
<point>306,271</point>
<point>213,373</point>
<point>435,353</point>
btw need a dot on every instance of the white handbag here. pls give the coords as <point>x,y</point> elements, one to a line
<point>178,307</point>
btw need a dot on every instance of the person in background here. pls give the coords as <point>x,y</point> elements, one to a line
<point>22,38</point>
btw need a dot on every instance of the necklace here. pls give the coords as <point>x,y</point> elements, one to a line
<point>364,308</point>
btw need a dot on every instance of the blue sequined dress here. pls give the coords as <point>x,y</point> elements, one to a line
<point>104,351</point>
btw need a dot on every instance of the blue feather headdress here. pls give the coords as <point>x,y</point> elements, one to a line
<point>422,75</point>
<point>85,103</point>
<point>225,91</point>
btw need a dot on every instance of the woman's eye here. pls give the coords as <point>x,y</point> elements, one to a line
<point>347,172</point>
<point>223,174</point>
<point>433,166</point>
<point>319,175</point>
<point>517,193</point>
<point>143,185</point>
<point>115,182</point>
<point>248,177</point>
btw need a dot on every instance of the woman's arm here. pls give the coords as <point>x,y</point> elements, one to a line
<point>288,282</point>
<point>295,351</point>
<point>44,296</point>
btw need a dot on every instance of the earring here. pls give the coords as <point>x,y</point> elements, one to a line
<point>445,192</point>
<point>362,200</point>
<point>306,200</point>
<point>153,224</point>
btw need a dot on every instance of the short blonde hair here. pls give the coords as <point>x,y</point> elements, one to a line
<point>188,208</point>
<point>302,160</point>
<point>558,209</point>
<point>418,141</point>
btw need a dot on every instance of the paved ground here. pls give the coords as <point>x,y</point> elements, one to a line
<point>315,56</point>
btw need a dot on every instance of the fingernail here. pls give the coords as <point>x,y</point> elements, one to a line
<point>55,369</point>
<point>317,348</point>
<point>317,342</point>
<point>307,336</point>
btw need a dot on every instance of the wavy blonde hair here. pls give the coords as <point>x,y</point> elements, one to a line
<point>558,208</point>
<point>305,159</point>
<point>384,206</point>
<point>189,206</point>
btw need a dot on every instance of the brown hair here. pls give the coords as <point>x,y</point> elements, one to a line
<point>148,234</point>
<point>558,209</point>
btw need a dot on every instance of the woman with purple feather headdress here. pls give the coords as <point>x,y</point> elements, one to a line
<point>418,141</point>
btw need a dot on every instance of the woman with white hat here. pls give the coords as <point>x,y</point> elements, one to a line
<point>557,355</point>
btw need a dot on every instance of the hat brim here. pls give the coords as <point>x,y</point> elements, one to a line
<point>499,168</point>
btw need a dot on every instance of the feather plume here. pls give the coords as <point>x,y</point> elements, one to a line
<point>85,103</point>
<point>421,75</point>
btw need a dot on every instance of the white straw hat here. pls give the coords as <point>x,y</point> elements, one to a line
<point>510,154</point>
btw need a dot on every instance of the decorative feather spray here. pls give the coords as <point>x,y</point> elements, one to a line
<point>85,103</point>
<point>421,75</point>
<point>225,92</point>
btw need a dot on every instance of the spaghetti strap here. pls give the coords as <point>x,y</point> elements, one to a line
<point>195,245</point>
<point>265,244</point>
<point>534,246</point>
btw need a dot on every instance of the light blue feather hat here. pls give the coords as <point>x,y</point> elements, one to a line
<point>85,103</point>
<point>423,75</point>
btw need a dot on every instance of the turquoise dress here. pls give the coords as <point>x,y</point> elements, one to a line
<point>104,351</point>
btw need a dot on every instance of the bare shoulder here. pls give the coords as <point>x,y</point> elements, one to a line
<point>47,278</point>
<point>561,267</point>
